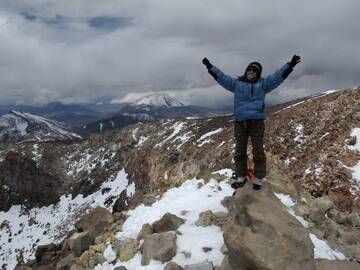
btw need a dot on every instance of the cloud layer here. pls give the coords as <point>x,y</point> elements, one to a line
<point>84,50</point>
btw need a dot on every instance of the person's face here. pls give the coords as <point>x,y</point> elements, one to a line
<point>251,74</point>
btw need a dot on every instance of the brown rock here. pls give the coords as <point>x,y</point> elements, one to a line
<point>168,222</point>
<point>321,264</point>
<point>96,222</point>
<point>260,234</point>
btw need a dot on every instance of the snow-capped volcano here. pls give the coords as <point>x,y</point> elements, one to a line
<point>18,126</point>
<point>158,100</point>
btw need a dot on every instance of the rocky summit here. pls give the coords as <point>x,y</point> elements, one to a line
<point>312,156</point>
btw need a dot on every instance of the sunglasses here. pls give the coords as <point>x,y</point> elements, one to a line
<point>252,69</point>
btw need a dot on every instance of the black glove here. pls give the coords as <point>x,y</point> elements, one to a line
<point>294,61</point>
<point>207,63</point>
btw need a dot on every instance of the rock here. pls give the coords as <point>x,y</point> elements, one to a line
<point>207,249</point>
<point>302,209</point>
<point>220,218</point>
<point>172,266</point>
<point>354,219</point>
<point>120,268</point>
<point>121,202</point>
<point>337,216</point>
<point>168,222</point>
<point>41,250</point>
<point>119,216</point>
<point>79,242</point>
<point>225,265</point>
<point>319,207</point>
<point>96,259</point>
<point>321,264</point>
<point>146,229</point>
<point>22,267</point>
<point>224,250</point>
<point>260,234</point>
<point>92,256</point>
<point>96,222</point>
<point>149,199</point>
<point>205,219</point>
<point>332,230</point>
<point>128,249</point>
<point>159,246</point>
<point>65,263</point>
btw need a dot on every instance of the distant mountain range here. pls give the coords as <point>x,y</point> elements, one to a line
<point>71,114</point>
<point>146,109</point>
<point>18,127</point>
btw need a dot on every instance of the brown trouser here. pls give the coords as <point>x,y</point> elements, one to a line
<point>255,130</point>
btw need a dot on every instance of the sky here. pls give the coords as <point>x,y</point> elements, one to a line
<point>90,51</point>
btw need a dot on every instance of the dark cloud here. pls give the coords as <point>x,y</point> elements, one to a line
<point>83,50</point>
<point>108,23</point>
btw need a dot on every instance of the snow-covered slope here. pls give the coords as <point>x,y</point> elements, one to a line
<point>17,126</point>
<point>158,100</point>
<point>22,231</point>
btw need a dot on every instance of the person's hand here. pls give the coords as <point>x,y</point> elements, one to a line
<point>207,63</point>
<point>294,61</point>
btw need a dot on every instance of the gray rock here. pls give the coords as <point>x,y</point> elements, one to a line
<point>319,207</point>
<point>159,246</point>
<point>172,266</point>
<point>146,229</point>
<point>168,222</point>
<point>337,216</point>
<point>354,219</point>
<point>65,263</point>
<point>220,218</point>
<point>120,268</point>
<point>149,199</point>
<point>79,242</point>
<point>205,219</point>
<point>302,209</point>
<point>260,234</point>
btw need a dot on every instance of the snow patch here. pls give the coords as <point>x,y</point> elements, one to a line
<point>323,251</point>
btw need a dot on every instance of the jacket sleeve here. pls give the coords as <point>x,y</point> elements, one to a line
<point>274,80</point>
<point>224,80</point>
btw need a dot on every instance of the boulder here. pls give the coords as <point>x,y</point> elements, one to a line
<point>172,266</point>
<point>354,219</point>
<point>79,242</point>
<point>321,264</point>
<point>319,207</point>
<point>168,222</point>
<point>65,263</point>
<point>146,229</point>
<point>128,249</point>
<point>260,234</point>
<point>96,222</point>
<point>206,218</point>
<point>159,246</point>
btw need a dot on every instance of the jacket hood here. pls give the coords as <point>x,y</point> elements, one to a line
<point>256,65</point>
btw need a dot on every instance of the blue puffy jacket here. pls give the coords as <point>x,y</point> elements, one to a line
<point>249,98</point>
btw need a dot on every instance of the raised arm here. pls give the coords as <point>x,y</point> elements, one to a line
<point>274,80</point>
<point>224,80</point>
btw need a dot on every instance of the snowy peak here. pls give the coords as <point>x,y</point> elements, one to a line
<point>18,126</point>
<point>158,100</point>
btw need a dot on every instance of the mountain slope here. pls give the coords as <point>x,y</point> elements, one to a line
<point>17,126</point>
<point>148,109</point>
